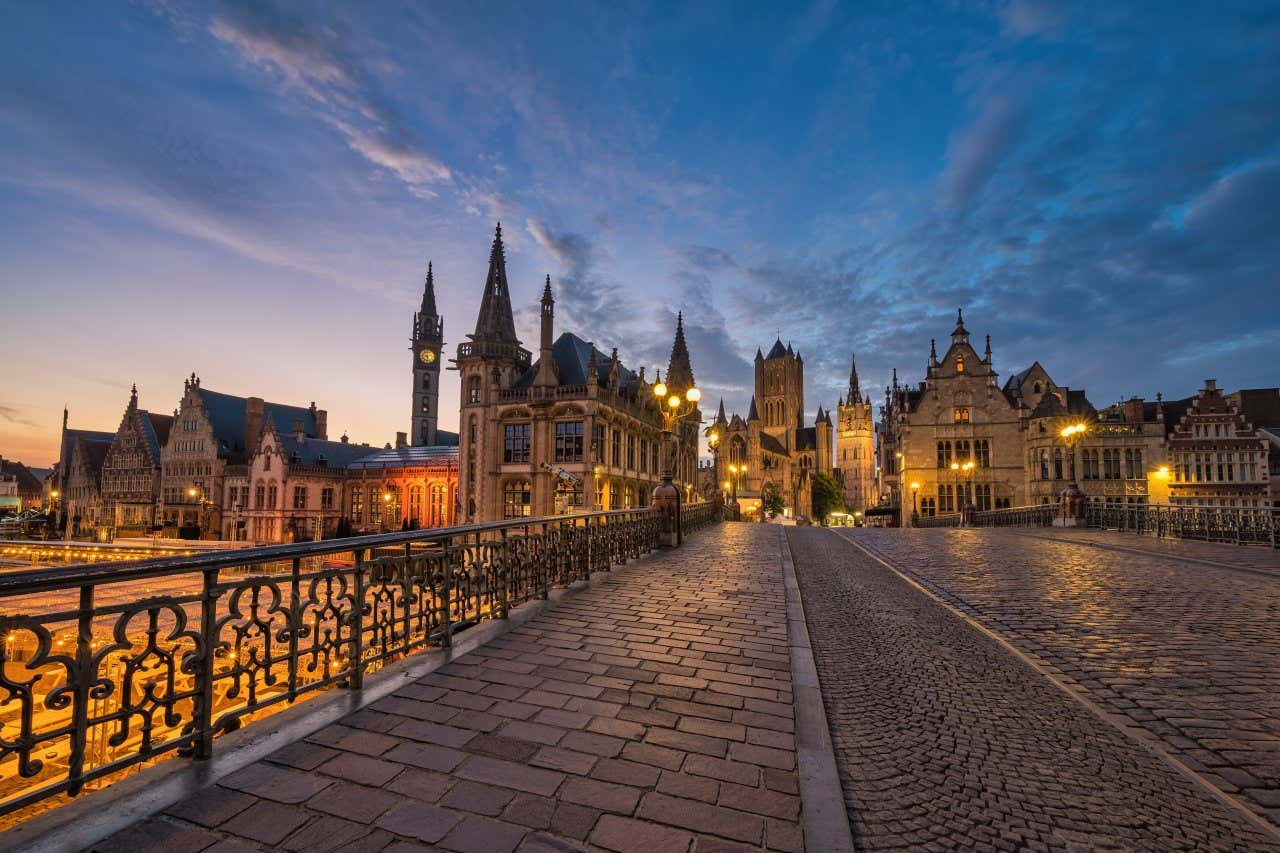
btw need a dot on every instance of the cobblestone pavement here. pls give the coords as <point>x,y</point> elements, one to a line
<point>650,712</point>
<point>1189,652</point>
<point>946,739</point>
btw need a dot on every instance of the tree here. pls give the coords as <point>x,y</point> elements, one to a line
<point>827,497</point>
<point>771,503</point>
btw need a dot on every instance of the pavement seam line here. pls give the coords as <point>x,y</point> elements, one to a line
<point>1266,573</point>
<point>1144,739</point>
<point>157,787</point>
<point>823,811</point>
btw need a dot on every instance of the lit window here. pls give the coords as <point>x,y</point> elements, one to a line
<point>959,364</point>
<point>962,415</point>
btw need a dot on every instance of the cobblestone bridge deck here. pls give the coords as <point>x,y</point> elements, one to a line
<point>986,689</point>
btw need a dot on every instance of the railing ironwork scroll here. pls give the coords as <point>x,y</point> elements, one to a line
<point>107,666</point>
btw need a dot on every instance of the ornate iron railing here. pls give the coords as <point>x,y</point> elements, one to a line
<point>938,520</point>
<point>109,666</point>
<point>1035,515</point>
<point>1238,525</point>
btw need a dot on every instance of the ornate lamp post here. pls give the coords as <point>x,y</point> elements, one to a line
<point>915,507</point>
<point>202,501</point>
<point>1071,503</point>
<point>666,497</point>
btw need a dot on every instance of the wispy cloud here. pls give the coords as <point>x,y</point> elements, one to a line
<point>975,153</point>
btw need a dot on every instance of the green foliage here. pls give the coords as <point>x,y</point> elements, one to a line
<point>827,497</point>
<point>771,501</point>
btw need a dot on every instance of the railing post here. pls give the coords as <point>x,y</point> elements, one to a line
<point>356,681</point>
<point>203,749</point>
<point>295,624</point>
<point>503,569</point>
<point>446,593</point>
<point>84,677</point>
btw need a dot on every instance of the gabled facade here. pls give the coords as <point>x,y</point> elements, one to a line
<point>1219,457</point>
<point>131,470</point>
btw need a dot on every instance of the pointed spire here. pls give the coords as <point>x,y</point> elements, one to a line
<point>720,418</point>
<point>854,391</point>
<point>546,291</point>
<point>679,370</point>
<point>895,379</point>
<point>933,352</point>
<point>960,334</point>
<point>428,308</point>
<point>987,355</point>
<point>495,322</point>
<point>753,414</point>
<point>759,354</point>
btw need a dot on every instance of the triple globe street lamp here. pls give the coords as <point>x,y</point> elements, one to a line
<point>675,407</point>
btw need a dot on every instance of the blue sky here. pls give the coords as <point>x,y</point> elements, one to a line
<point>252,191</point>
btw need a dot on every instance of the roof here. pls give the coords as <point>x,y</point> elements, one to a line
<point>318,453</point>
<point>572,356</point>
<point>1050,406</point>
<point>406,457</point>
<point>227,416</point>
<point>806,438</point>
<point>771,444</point>
<point>1260,406</point>
<point>155,429</point>
<point>778,350</point>
<point>69,441</point>
<point>444,438</point>
<point>28,479</point>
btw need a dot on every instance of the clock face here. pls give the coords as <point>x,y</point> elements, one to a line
<point>427,356</point>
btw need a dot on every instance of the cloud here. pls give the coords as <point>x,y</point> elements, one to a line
<point>1026,18</point>
<point>974,154</point>
<point>14,415</point>
<point>310,60</point>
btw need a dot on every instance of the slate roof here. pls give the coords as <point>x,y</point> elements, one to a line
<point>1260,406</point>
<point>571,355</point>
<point>444,438</point>
<point>778,350</point>
<point>1050,406</point>
<point>69,441</point>
<point>318,453</point>
<point>806,438</point>
<point>155,429</point>
<point>771,444</point>
<point>28,480</point>
<point>405,457</point>
<point>226,414</point>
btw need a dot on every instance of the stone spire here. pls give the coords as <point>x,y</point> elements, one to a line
<point>133,398</point>
<point>720,418</point>
<point>753,414</point>
<point>546,360</point>
<point>960,335</point>
<point>679,370</point>
<point>495,323</point>
<point>429,295</point>
<point>986,357</point>
<point>933,352</point>
<point>855,393</point>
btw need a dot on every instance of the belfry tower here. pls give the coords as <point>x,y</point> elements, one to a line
<point>427,343</point>
<point>856,446</point>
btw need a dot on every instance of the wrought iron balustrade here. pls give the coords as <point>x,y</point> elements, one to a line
<point>1237,525</point>
<point>1035,515</point>
<point>950,520</point>
<point>108,666</point>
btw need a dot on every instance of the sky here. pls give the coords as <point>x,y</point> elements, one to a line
<point>251,191</point>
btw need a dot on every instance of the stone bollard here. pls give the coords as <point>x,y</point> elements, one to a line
<point>666,499</point>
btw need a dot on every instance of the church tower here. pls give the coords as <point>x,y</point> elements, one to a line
<point>855,446</point>
<point>780,393</point>
<point>427,347</point>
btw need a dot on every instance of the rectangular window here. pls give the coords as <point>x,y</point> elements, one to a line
<point>271,496</point>
<point>569,441</point>
<point>944,454</point>
<point>982,495</point>
<point>946,498</point>
<point>964,452</point>
<point>357,505</point>
<point>631,452</point>
<point>299,497</point>
<point>962,415</point>
<point>597,443</point>
<point>615,448</point>
<point>515,442</point>
<point>260,497</point>
<point>928,507</point>
<point>982,451</point>
<point>517,501</point>
<point>326,498</point>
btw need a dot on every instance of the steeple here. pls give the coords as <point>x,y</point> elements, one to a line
<point>428,308</point>
<point>753,414</point>
<point>546,361</point>
<point>679,370</point>
<point>855,392</point>
<point>960,335</point>
<point>986,357</point>
<point>593,371</point>
<point>133,398</point>
<point>933,352</point>
<point>495,323</point>
<point>720,418</point>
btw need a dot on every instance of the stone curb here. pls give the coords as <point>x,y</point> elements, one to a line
<point>93,817</point>
<point>823,812</point>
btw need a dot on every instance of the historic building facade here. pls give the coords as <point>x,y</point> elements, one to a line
<point>1219,458</point>
<point>856,447</point>
<point>131,470</point>
<point>405,487</point>
<point>210,432</point>
<point>570,432</point>
<point>779,452</point>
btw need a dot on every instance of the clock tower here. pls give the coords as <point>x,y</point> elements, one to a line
<point>427,342</point>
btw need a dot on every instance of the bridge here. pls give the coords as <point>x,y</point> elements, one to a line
<point>560,684</point>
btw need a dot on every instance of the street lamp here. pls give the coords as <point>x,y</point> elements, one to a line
<point>202,501</point>
<point>1072,499</point>
<point>666,497</point>
<point>915,508</point>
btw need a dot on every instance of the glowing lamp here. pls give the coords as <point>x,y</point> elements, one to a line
<point>660,390</point>
<point>693,395</point>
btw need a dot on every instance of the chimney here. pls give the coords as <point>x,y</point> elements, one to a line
<point>1211,385</point>
<point>253,412</point>
<point>402,440</point>
<point>1133,410</point>
<point>322,423</point>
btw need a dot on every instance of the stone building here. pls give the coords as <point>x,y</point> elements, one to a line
<point>780,453</point>
<point>24,485</point>
<point>1261,407</point>
<point>427,346</point>
<point>292,487</point>
<point>403,487</point>
<point>131,470</point>
<point>855,461</point>
<point>569,432</point>
<point>960,435</point>
<point>210,432</point>
<point>1218,456</point>
<point>77,478</point>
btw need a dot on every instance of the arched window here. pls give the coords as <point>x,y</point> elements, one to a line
<point>473,389</point>
<point>415,505</point>
<point>959,363</point>
<point>1037,387</point>
<point>437,506</point>
<point>517,499</point>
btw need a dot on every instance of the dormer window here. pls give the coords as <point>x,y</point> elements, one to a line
<point>322,459</point>
<point>1038,388</point>
<point>959,364</point>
